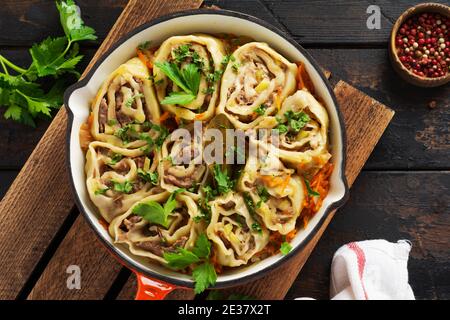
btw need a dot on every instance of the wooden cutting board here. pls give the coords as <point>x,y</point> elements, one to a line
<point>43,233</point>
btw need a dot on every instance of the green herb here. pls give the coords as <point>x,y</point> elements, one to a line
<point>311,192</point>
<point>151,177</point>
<point>249,203</point>
<point>144,45</point>
<point>204,276</point>
<point>112,122</point>
<point>235,66</point>
<point>224,183</point>
<point>214,77</point>
<point>263,195</point>
<point>115,158</point>
<point>153,212</point>
<point>188,79</point>
<point>127,133</point>
<point>132,99</point>
<point>256,227</point>
<point>261,110</point>
<point>285,248</point>
<point>100,191</point>
<point>180,259</point>
<point>181,98</point>
<point>202,247</point>
<point>209,90</point>
<point>297,120</point>
<point>281,128</point>
<point>183,52</point>
<point>227,59</point>
<point>21,93</point>
<point>125,187</point>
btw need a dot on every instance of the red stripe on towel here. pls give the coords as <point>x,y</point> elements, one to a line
<point>361,260</point>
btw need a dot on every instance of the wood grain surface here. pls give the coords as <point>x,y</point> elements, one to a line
<point>40,198</point>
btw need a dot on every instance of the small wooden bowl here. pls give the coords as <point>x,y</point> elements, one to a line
<point>397,64</point>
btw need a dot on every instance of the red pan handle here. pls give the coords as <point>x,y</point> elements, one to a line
<point>152,289</point>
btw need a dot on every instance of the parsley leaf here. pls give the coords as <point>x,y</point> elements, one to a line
<point>151,177</point>
<point>285,248</point>
<point>191,76</point>
<point>172,71</point>
<point>125,187</point>
<point>204,276</point>
<point>181,98</point>
<point>256,227</point>
<point>263,195</point>
<point>144,45</point>
<point>202,247</point>
<point>181,259</point>
<point>72,23</point>
<point>154,212</point>
<point>224,183</point>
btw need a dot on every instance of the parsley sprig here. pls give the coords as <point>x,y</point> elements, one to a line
<point>188,79</point>
<point>203,273</point>
<point>21,92</point>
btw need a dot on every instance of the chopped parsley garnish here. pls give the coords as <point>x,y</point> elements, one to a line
<point>227,59</point>
<point>132,99</point>
<point>151,177</point>
<point>263,195</point>
<point>183,52</point>
<point>256,227</point>
<point>296,120</point>
<point>223,181</point>
<point>100,191</point>
<point>285,248</point>
<point>281,128</point>
<point>112,122</point>
<point>261,110</point>
<point>125,187</point>
<point>214,77</point>
<point>116,157</point>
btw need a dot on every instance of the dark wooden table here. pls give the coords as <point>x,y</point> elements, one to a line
<point>404,189</point>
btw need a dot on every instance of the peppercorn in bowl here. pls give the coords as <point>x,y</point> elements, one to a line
<point>420,45</point>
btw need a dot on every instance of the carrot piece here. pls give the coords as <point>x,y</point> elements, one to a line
<point>145,60</point>
<point>303,79</point>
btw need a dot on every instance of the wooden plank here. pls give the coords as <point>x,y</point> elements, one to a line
<point>338,21</point>
<point>41,192</point>
<point>416,139</point>
<point>310,21</point>
<point>364,129</point>
<point>389,205</point>
<point>33,21</point>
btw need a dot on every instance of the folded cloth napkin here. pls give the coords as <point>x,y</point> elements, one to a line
<point>373,269</point>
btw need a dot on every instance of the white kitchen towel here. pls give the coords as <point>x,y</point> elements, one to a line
<point>371,270</point>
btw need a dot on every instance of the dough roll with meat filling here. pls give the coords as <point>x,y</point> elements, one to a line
<point>126,97</point>
<point>255,84</point>
<point>117,177</point>
<point>303,125</point>
<point>205,55</point>
<point>233,233</point>
<point>151,239</point>
<point>276,192</point>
